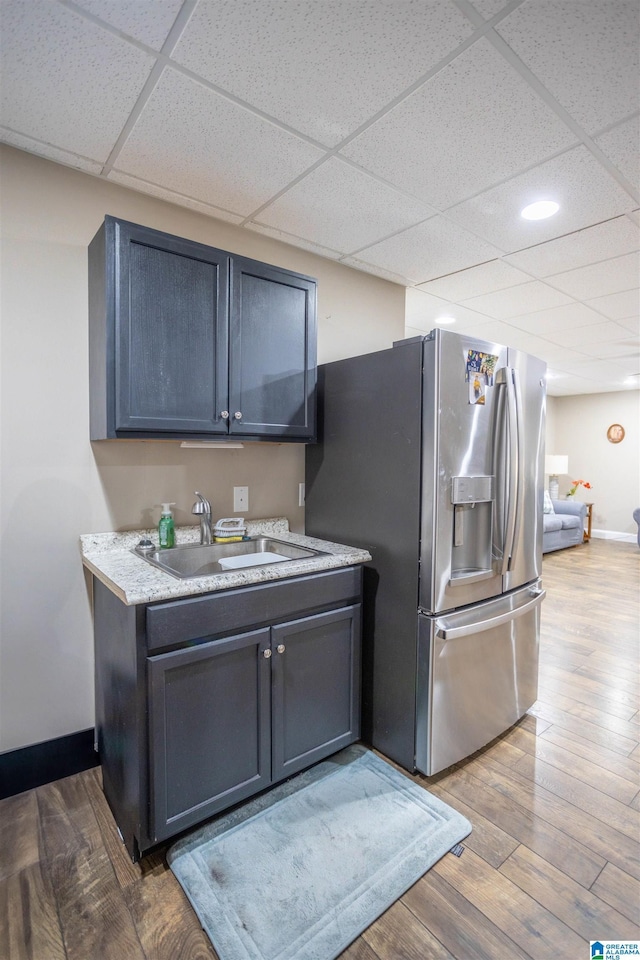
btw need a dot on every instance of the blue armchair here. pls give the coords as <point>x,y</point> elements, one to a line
<point>565,526</point>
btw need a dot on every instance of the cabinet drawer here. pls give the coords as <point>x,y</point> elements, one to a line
<point>217,614</point>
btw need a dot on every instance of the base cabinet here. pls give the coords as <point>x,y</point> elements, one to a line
<point>222,715</point>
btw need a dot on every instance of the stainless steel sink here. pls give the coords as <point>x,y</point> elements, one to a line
<point>196,560</point>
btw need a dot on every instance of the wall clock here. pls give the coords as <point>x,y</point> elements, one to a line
<point>615,433</point>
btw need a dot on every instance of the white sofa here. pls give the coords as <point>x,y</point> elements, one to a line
<point>565,526</point>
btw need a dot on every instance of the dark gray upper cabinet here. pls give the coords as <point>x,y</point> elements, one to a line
<point>187,341</point>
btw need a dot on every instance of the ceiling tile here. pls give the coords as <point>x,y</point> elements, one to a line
<point>424,310</point>
<point>623,350</point>
<point>600,279</point>
<point>194,141</point>
<point>632,324</point>
<point>621,147</point>
<point>511,302</point>
<point>485,278</point>
<point>49,151</point>
<point>598,370</point>
<point>148,22</point>
<point>343,208</point>
<point>570,316</point>
<point>585,54</point>
<point>572,386</point>
<point>153,190</point>
<point>429,250</point>
<point>600,242</point>
<point>585,192</point>
<point>440,146</point>
<point>489,8</point>
<point>631,371</point>
<point>618,306</point>
<point>375,270</point>
<point>594,333</point>
<point>559,357</point>
<point>497,332</point>
<point>96,77</point>
<point>323,68</point>
<point>520,339</point>
<point>289,238</point>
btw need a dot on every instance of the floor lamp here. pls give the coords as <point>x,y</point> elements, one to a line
<point>554,465</point>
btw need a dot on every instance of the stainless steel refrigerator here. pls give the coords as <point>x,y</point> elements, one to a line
<point>430,455</point>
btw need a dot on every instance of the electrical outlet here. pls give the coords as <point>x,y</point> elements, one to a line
<point>301,494</point>
<point>240,499</point>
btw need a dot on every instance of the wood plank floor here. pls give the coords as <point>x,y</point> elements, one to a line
<point>552,862</point>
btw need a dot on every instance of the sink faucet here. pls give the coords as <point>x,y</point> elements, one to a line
<point>202,508</point>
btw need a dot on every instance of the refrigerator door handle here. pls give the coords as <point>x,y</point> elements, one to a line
<point>520,458</point>
<point>515,463</point>
<point>453,633</point>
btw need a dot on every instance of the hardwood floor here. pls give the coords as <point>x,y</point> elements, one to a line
<point>552,861</point>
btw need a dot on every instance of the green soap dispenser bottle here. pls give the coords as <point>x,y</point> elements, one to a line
<point>166,529</point>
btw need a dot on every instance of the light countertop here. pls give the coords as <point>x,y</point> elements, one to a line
<point>109,557</point>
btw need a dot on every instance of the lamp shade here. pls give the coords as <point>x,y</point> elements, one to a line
<point>555,464</point>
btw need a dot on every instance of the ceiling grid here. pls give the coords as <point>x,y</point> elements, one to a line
<point>399,137</point>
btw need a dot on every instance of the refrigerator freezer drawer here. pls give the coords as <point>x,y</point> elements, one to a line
<point>477,675</point>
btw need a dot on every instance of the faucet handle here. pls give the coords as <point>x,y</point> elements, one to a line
<point>201,506</point>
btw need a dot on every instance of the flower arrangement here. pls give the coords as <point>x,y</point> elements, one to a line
<point>576,484</point>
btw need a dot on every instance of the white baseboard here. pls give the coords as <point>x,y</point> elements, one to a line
<point>614,535</point>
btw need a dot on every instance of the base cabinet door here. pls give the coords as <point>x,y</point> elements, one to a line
<point>316,688</point>
<point>209,729</point>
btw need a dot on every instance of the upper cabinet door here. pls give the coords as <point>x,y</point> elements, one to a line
<point>158,334</point>
<point>272,352</point>
<point>170,333</point>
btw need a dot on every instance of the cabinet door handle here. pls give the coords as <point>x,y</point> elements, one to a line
<point>237,415</point>
<point>224,414</point>
<point>281,648</point>
<point>266,654</point>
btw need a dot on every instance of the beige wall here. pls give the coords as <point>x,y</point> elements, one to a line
<point>612,469</point>
<point>54,483</point>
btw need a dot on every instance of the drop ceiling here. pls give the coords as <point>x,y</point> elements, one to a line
<point>400,137</point>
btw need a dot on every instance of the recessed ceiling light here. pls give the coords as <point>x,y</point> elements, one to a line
<point>540,210</point>
<point>445,320</point>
